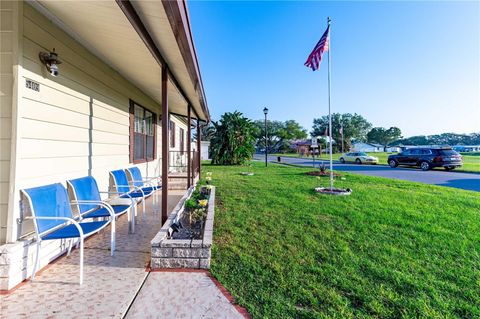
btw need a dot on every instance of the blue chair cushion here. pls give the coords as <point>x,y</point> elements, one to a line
<point>137,194</point>
<point>150,188</point>
<point>137,176</point>
<point>49,201</point>
<point>85,188</point>
<point>121,181</point>
<point>103,212</point>
<point>70,231</point>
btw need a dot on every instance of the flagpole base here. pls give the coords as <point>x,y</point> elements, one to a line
<point>333,191</point>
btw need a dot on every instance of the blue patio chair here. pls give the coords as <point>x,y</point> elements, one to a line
<point>146,184</point>
<point>53,218</point>
<point>126,190</point>
<point>85,195</point>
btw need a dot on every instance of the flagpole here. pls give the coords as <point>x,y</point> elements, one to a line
<point>329,108</point>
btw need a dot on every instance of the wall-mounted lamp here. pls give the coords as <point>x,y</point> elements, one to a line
<point>51,61</point>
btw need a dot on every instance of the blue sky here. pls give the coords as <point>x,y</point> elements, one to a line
<point>415,65</point>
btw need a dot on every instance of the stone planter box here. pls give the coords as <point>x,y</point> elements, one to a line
<point>183,253</point>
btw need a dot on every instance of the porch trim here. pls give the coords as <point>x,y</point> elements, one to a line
<point>132,16</point>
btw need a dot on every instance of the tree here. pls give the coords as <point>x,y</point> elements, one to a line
<point>233,142</point>
<point>355,127</point>
<point>441,139</point>
<point>207,132</point>
<point>279,134</point>
<point>384,136</point>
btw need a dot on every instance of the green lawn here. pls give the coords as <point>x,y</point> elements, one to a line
<point>471,163</point>
<point>392,249</point>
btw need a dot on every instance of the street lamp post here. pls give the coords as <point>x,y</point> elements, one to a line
<point>265,111</point>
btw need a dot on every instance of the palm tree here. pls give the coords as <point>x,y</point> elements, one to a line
<point>233,142</point>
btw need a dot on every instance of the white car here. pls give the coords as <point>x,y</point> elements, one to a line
<point>358,158</point>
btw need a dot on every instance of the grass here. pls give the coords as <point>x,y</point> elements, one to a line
<point>471,161</point>
<point>392,249</point>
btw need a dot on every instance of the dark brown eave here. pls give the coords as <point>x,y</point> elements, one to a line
<point>178,17</point>
<point>191,64</point>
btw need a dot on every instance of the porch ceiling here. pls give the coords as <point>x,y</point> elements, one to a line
<point>103,28</point>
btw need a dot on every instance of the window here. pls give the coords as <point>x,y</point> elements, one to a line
<point>171,127</point>
<point>182,141</point>
<point>142,134</point>
<point>447,152</point>
<point>426,152</point>
<point>416,152</point>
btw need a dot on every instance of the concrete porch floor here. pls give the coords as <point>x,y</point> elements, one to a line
<point>118,286</point>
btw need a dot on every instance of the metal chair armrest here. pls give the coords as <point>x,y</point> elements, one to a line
<point>73,221</point>
<point>135,188</point>
<point>99,203</point>
<point>119,193</point>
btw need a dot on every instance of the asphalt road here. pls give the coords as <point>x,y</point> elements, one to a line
<point>468,181</point>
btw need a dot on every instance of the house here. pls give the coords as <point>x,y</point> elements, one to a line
<point>367,147</point>
<point>205,150</point>
<point>88,87</point>
<point>393,149</point>
<point>467,148</point>
<point>304,147</point>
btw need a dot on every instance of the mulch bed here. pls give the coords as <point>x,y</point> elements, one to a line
<point>322,174</point>
<point>333,191</point>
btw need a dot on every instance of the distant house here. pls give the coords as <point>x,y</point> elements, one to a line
<point>304,147</point>
<point>393,149</point>
<point>367,147</point>
<point>205,150</point>
<point>467,148</point>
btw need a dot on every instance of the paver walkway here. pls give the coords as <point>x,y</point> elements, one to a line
<point>119,286</point>
<point>181,295</point>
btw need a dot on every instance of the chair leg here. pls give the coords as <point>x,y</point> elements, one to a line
<point>35,265</point>
<point>112,238</point>
<point>70,244</point>
<point>131,220</point>
<point>81,260</point>
<point>154,201</point>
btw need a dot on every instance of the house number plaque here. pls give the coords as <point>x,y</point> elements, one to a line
<point>32,85</point>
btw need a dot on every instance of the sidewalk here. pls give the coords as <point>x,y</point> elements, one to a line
<point>119,286</point>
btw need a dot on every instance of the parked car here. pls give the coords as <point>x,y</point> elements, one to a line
<point>358,158</point>
<point>427,158</point>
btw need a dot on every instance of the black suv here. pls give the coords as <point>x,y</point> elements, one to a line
<point>427,158</point>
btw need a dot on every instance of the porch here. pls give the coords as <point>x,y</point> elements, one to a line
<point>125,95</point>
<point>119,286</point>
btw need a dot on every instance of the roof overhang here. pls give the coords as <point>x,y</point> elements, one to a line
<point>106,30</point>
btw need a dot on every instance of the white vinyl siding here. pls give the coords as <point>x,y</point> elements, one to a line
<point>7,38</point>
<point>78,124</point>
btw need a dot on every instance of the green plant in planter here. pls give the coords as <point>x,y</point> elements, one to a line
<point>195,207</point>
<point>208,178</point>
<point>190,204</point>
<point>206,190</point>
<point>199,194</point>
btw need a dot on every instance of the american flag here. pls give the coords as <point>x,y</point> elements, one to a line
<point>315,57</point>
